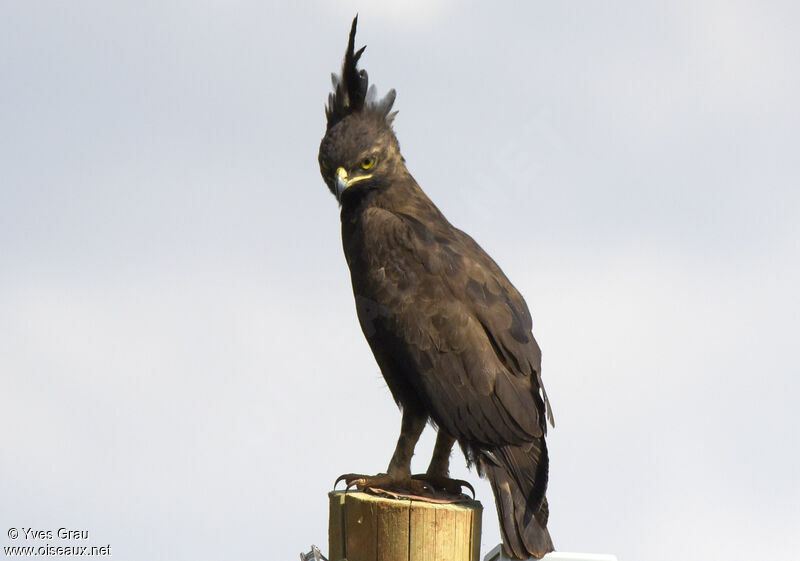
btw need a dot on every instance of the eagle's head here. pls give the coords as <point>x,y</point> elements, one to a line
<point>359,151</point>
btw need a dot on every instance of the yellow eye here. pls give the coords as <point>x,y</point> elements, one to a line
<point>367,163</point>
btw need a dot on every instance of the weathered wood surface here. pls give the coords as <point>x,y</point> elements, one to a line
<point>365,527</point>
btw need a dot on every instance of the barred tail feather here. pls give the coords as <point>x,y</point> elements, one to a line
<point>518,476</point>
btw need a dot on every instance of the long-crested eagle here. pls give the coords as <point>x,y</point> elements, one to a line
<point>451,334</point>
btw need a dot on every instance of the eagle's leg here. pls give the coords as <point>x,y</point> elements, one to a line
<point>410,431</point>
<point>440,462</point>
<point>438,474</point>
<point>398,474</point>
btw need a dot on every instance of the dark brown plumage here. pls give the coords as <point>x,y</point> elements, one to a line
<point>451,334</point>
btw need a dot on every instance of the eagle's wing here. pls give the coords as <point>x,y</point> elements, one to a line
<point>451,313</point>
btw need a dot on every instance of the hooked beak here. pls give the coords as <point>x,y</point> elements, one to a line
<point>343,181</point>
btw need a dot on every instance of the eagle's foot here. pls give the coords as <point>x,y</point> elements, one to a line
<point>444,484</point>
<point>385,482</point>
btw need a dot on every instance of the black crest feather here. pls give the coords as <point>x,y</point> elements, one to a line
<point>351,91</point>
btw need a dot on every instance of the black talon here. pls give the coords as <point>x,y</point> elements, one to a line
<point>344,477</point>
<point>444,483</point>
<point>383,481</point>
<point>467,485</point>
<point>350,479</point>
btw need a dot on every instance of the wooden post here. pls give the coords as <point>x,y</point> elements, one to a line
<point>366,527</point>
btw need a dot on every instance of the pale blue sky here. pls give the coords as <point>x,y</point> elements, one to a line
<point>183,373</point>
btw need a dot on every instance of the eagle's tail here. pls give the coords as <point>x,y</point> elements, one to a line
<point>518,475</point>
